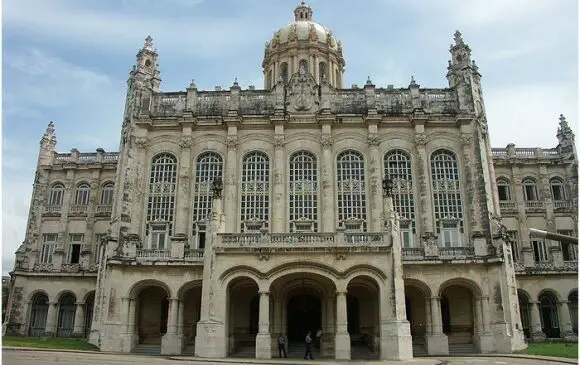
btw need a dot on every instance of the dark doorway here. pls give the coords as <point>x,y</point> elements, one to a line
<point>445,315</point>
<point>352,315</point>
<point>549,316</point>
<point>304,314</point>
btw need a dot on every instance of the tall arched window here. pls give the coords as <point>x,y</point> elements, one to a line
<point>303,192</point>
<point>107,192</point>
<point>322,72</point>
<point>530,189</point>
<point>255,192</point>
<point>447,197</point>
<point>503,190</point>
<point>56,194</point>
<point>208,168</point>
<point>38,315</point>
<point>558,189</point>
<point>284,72</point>
<point>161,202</point>
<point>351,192</point>
<point>82,194</point>
<point>303,64</point>
<point>398,167</point>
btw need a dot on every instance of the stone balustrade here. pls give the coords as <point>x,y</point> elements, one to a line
<point>302,239</point>
<point>507,205</point>
<point>540,268</point>
<point>534,204</point>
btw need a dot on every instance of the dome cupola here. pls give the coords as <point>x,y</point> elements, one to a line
<point>303,43</point>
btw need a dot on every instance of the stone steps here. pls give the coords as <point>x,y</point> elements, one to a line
<point>148,350</point>
<point>462,348</point>
<point>419,350</point>
<point>188,350</point>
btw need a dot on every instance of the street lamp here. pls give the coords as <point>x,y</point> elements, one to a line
<point>217,186</point>
<point>387,186</point>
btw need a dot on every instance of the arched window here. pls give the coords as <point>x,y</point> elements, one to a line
<point>56,194</point>
<point>558,189</point>
<point>209,167</point>
<point>549,315</point>
<point>107,192</point>
<point>303,65</point>
<point>530,189</point>
<point>38,315</point>
<point>66,315</point>
<point>351,192</point>
<point>398,167</point>
<point>255,192</point>
<point>303,192</point>
<point>322,72</point>
<point>161,202</point>
<point>503,190</point>
<point>447,197</point>
<point>284,72</point>
<point>82,194</point>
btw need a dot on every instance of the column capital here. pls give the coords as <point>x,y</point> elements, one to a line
<point>435,297</point>
<point>341,292</point>
<point>562,302</point>
<point>264,292</point>
<point>80,303</point>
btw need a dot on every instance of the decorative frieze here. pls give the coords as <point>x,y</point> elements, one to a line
<point>326,140</point>
<point>232,142</point>
<point>186,142</point>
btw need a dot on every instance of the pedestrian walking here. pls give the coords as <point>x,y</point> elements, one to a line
<point>308,343</point>
<point>282,346</point>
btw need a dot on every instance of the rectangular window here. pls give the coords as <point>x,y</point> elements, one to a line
<point>450,237</point>
<point>406,238</point>
<point>515,245</point>
<point>503,192</point>
<point>558,192</point>
<point>530,193</point>
<point>540,250</point>
<point>74,250</point>
<point>48,244</point>
<point>158,237</point>
<point>97,247</point>
<point>569,251</point>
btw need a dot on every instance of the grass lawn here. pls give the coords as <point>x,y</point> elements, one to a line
<point>569,350</point>
<point>49,343</point>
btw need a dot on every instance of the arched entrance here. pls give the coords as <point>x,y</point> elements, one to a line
<point>89,305</point>
<point>524,303</point>
<point>417,305</point>
<point>190,313</point>
<point>151,314</point>
<point>573,306</point>
<point>549,315</point>
<point>38,314</point>
<point>243,314</point>
<point>363,317</point>
<point>303,302</point>
<point>457,314</point>
<point>66,315</point>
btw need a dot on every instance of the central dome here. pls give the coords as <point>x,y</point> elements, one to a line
<point>303,29</point>
<point>303,44</point>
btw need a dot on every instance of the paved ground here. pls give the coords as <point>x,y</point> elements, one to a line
<point>25,357</point>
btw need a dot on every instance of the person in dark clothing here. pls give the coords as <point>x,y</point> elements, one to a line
<point>282,346</point>
<point>308,342</point>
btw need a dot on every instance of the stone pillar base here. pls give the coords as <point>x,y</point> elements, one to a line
<point>94,338</point>
<point>128,342</point>
<point>171,344</point>
<point>538,336</point>
<point>437,344</point>
<point>570,337</point>
<point>210,340</point>
<point>342,346</point>
<point>327,345</point>
<point>484,343</point>
<point>263,346</point>
<point>396,341</point>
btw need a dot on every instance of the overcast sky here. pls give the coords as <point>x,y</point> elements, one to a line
<point>68,61</point>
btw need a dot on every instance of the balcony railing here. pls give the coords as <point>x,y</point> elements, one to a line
<point>534,204</point>
<point>52,208</point>
<point>298,239</point>
<point>456,252</point>
<point>413,253</point>
<point>302,238</point>
<point>194,254</point>
<point>104,208</point>
<point>559,204</point>
<point>157,254</point>
<point>507,205</point>
<point>40,266</point>
<point>79,208</point>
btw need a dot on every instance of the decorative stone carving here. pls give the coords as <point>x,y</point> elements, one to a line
<point>326,140</point>
<point>279,141</point>
<point>420,140</point>
<point>467,140</point>
<point>141,143</point>
<point>186,142</point>
<point>373,140</point>
<point>312,33</point>
<point>232,142</point>
<point>303,95</point>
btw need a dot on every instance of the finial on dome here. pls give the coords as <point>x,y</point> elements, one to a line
<point>457,38</point>
<point>369,82</point>
<point>303,12</point>
<point>413,83</point>
<point>148,43</point>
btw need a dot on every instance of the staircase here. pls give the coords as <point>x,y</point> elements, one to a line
<point>459,349</point>
<point>362,352</point>
<point>245,352</point>
<point>419,350</point>
<point>148,350</point>
<point>188,350</point>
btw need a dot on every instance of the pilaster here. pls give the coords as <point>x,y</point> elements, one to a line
<point>278,206</point>
<point>231,181</point>
<point>182,213</point>
<point>171,342</point>
<point>425,198</point>
<point>50,327</point>
<point>79,324</point>
<point>566,331</point>
<point>536,333</point>
<point>436,342</point>
<point>341,338</point>
<point>328,199</point>
<point>263,338</point>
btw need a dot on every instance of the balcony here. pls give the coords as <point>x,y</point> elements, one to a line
<point>103,210</point>
<point>447,253</point>
<point>299,240</point>
<point>51,210</point>
<point>153,254</point>
<point>534,205</point>
<point>562,204</point>
<point>507,205</point>
<point>545,267</point>
<point>431,253</point>
<point>78,210</point>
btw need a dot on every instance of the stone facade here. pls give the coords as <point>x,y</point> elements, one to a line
<point>230,217</point>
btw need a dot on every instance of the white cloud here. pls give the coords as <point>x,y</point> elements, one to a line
<point>526,114</point>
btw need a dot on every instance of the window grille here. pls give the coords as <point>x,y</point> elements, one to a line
<point>351,192</point>
<point>447,199</point>
<point>162,186</point>
<point>107,192</point>
<point>303,192</point>
<point>255,191</point>
<point>48,245</point>
<point>82,195</point>
<point>208,168</point>
<point>397,164</point>
<point>56,194</point>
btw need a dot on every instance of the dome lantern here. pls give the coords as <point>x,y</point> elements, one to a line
<point>303,12</point>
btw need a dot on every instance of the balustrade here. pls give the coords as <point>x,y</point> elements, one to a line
<point>104,208</point>
<point>78,208</point>
<point>534,204</point>
<point>456,252</point>
<point>52,208</point>
<point>561,204</point>
<point>152,253</point>
<point>507,205</point>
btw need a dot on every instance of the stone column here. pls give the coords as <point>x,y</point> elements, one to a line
<point>278,206</point>
<point>79,325</point>
<point>437,343</point>
<point>51,317</point>
<point>566,331</point>
<point>536,332</point>
<point>478,320</point>
<point>342,338</point>
<point>277,325</point>
<point>424,187</point>
<point>485,325</point>
<point>263,338</point>
<point>231,186</point>
<point>140,181</point>
<point>182,216</point>
<point>180,318</point>
<point>375,184</point>
<point>171,343</point>
<point>328,196</point>
<point>329,331</point>
<point>428,315</point>
<point>483,338</point>
<point>316,69</point>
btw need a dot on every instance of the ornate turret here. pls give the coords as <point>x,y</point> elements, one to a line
<point>47,145</point>
<point>146,71</point>
<point>565,137</point>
